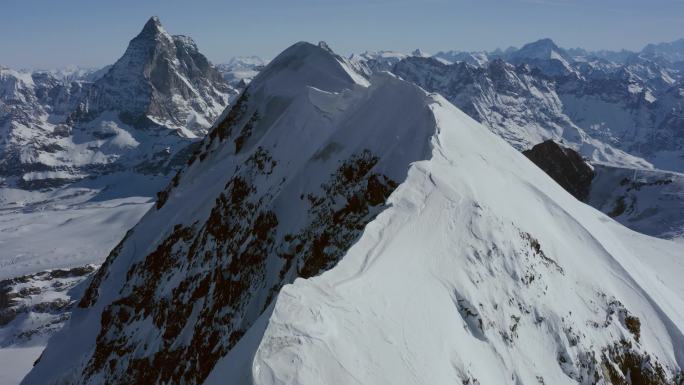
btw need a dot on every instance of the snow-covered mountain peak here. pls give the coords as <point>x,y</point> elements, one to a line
<point>419,53</point>
<point>395,209</point>
<point>545,55</point>
<point>540,49</point>
<point>153,27</point>
<point>157,79</point>
<point>307,64</point>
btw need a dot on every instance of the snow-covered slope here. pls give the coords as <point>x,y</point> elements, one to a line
<point>620,115</point>
<point>50,242</point>
<point>449,256</point>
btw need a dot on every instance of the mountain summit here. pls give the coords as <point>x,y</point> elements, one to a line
<point>545,55</point>
<point>161,80</point>
<point>540,49</point>
<point>334,229</point>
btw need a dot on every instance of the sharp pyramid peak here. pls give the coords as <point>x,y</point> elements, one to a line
<point>153,27</point>
<point>153,23</point>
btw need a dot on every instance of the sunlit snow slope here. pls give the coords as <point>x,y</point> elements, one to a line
<point>482,271</point>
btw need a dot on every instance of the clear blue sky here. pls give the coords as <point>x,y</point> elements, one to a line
<point>53,33</point>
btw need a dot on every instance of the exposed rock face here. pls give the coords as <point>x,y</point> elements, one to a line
<point>563,165</point>
<point>160,80</point>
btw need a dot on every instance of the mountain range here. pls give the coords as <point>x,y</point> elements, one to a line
<point>401,242</point>
<point>303,220</point>
<point>624,116</point>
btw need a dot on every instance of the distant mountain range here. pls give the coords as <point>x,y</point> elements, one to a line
<point>620,111</point>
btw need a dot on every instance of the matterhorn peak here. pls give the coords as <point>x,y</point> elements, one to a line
<point>419,53</point>
<point>161,80</point>
<point>153,26</point>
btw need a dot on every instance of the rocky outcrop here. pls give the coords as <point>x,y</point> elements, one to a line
<point>563,165</point>
<point>160,80</point>
<point>35,306</point>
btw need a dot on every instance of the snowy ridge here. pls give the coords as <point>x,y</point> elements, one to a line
<point>496,294</point>
<point>446,256</point>
<point>294,199</point>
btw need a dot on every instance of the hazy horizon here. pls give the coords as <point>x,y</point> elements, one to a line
<point>42,34</point>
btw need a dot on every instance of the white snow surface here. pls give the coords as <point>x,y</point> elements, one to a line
<point>435,290</point>
<point>16,362</point>
<point>72,226</point>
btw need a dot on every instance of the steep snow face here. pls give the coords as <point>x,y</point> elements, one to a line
<point>432,274</point>
<point>280,188</point>
<point>454,284</point>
